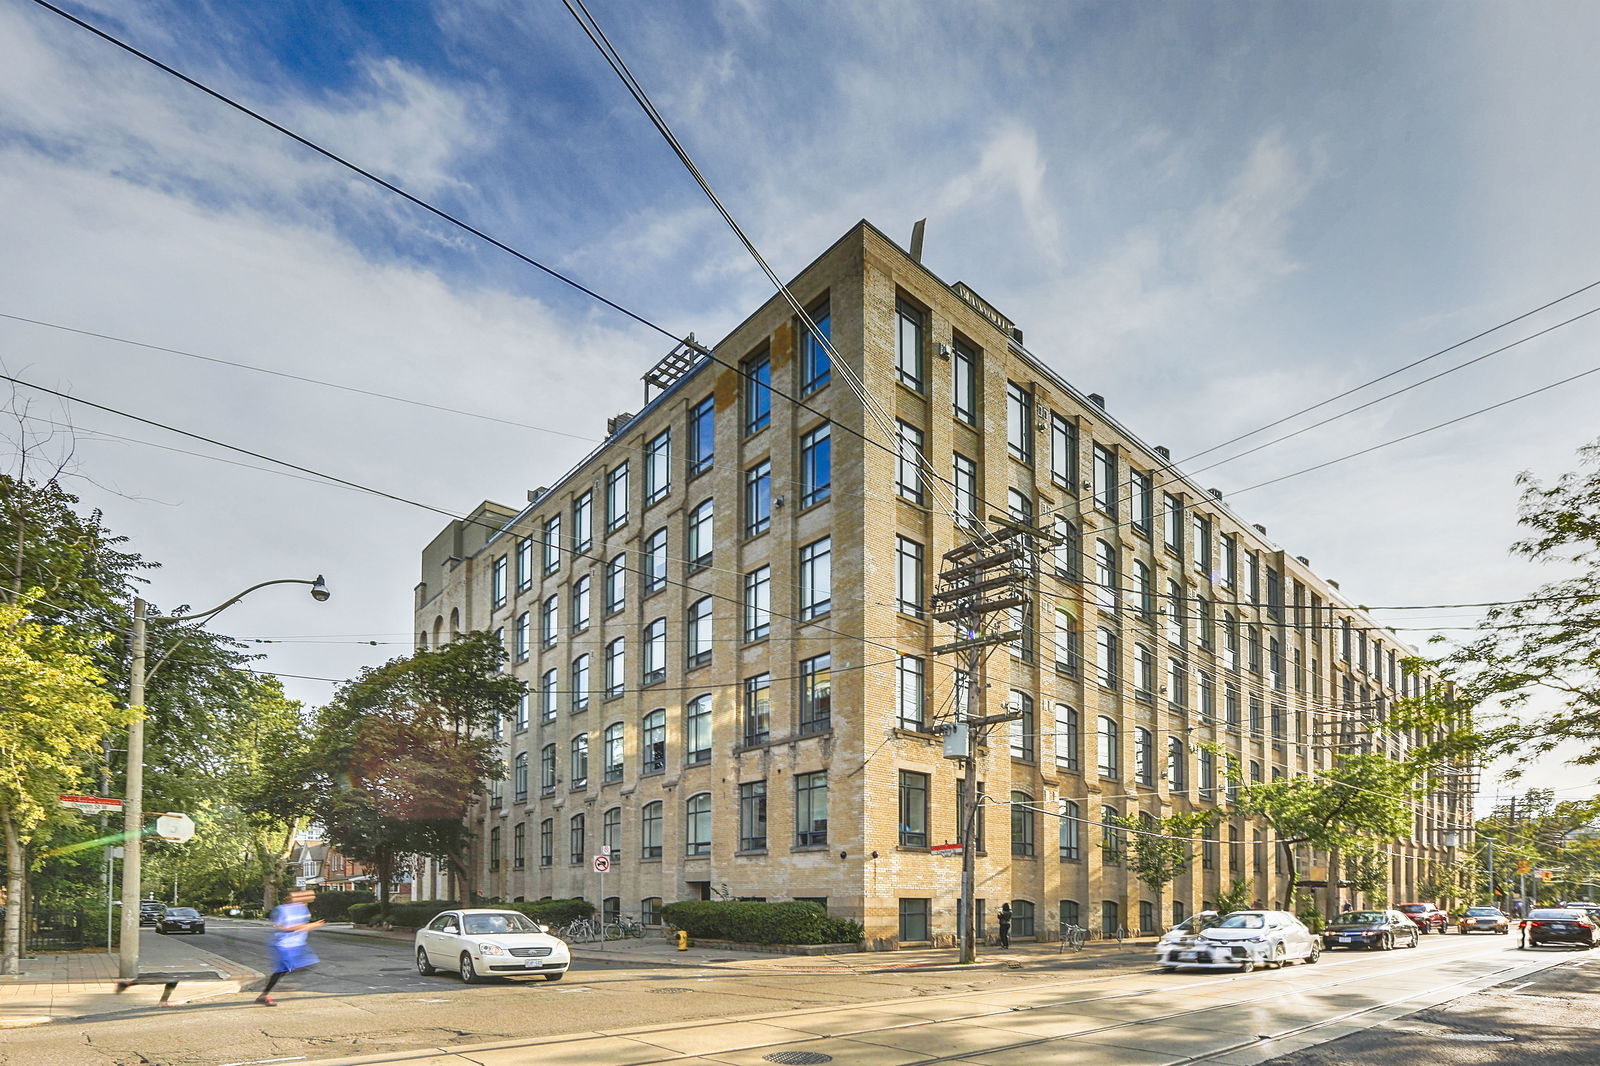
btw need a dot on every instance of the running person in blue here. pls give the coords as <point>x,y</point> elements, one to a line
<point>290,950</point>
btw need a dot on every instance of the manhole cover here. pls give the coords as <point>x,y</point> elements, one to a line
<point>797,1058</point>
<point>665,991</point>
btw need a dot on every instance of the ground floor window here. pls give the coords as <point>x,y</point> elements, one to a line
<point>611,909</point>
<point>1021,918</point>
<point>650,910</point>
<point>1147,915</point>
<point>1069,912</point>
<point>1110,916</point>
<point>914,919</point>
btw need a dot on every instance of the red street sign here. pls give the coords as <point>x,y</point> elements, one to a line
<point>92,804</point>
<point>946,849</point>
<point>601,864</point>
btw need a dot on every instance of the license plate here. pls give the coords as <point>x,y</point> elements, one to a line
<point>533,964</point>
<point>1347,940</point>
<point>1558,925</point>
<point>1191,956</point>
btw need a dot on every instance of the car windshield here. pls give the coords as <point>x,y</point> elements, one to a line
<point>1557,915</point>
<point>1413,908</point>
<point>503,922</point>
<point>1483,912</point>
<point>182,912</point>
<point>1243,921</point>
<point>1196,923</point>
<point>1363,918</point>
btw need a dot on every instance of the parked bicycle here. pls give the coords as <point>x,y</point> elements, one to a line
<point>581,931</point>
<point>1073,938</point>
<point>625,926</point>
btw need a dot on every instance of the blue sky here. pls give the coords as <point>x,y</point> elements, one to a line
<point>1212,213</point>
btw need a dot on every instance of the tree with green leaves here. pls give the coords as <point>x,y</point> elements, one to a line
<point>54,711</point>
<point>404,750</point>
<point>1161,849</point>
<point>1362,799</point>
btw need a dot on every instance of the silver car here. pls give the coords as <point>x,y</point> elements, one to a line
<point>482,943</point>
<point>1247,939</point>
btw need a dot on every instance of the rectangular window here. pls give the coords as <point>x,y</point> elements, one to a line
<point>964,384</point>
<point>1172,523</point>
<point>815,367</point>
<point>549,622</point>
<point>547,842</point>
<point>497,582</point>
<point>552,544</point>
<point>650,831</point>
<point>1139,502</point>
<point>757,393</point>
<point>914,919</point>
<point>701,537</point>
<point>519,640</point>
<point>816,694</point>
<point>522,711</point>
<point>658,467</point>
<point>908,345</point>
<point>583,522</point>
<point>758,498</point>
<point>616,655</point>
<point>1066,641</point>
<point>908,576</point>
<point>577,852</point>
<point>757,709</point>
<point>1024,730</point>
<point>758,604</point>
<point>753,816</point>
<point>811,809</point>
<point>1063,453</point>
<point>654,576</point>
<point>524,564</point>
<point>1105,479</point>
<point>655,652</point>
<point>697,825</point>
<point>611,753</point>
<point>908,462</point>
<point>617,496</point>
<point>702,436</point>
<point>1202,542</point>
<point>611,833</point>
<point>549,693</point>
<point>1230,560</point>
<point>910,692</point>
<point>616,583</point>
<point>580,684</point>
<point>913,810</point>
<point>964,479</point>
<point>816,578</point>
<point>580,603</point>
<point>697,731</point>
<point>698,632</point>
<point>1071,833</point>
<point>816,466</point>
<point>1019,422</point>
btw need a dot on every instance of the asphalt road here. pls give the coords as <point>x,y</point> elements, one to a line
<point>365,999</point>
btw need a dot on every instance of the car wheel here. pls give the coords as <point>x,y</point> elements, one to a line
<point>1316,953</point>
<point>555,976</point>
<point>1246,966</point>
<point>1387,944</point>
<point>469,973</point>
<point>1280,957</point>
<point>1416,941</point>
<point>424,966</point>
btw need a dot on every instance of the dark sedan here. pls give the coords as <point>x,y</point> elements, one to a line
<point>1373,930</point>
<point>1553,925</point>
<point>150,911</point>
<point>181,920</point>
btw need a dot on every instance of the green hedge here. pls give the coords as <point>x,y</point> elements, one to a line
<point>364,913</point>
<point>335,906</point>
<point>554,912</point>
<point>749,922</point>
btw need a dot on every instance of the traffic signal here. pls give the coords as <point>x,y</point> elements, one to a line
<point>1547,875</point>
<point>1524,866</point>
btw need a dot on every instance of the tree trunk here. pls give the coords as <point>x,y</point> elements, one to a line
<point>461,868</point>
<point>384,865</point>
<point>1294,876</point>
<point>16,874</point>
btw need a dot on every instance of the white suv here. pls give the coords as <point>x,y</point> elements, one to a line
<point>1246,939</point>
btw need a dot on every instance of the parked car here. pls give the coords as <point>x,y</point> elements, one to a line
<point>150,911</point>
<point>1429,919</point>
<point>1373,930</point>
<point>1484,920</point>
<point>181,920</point>
<point>1182,936</point>
<point>1558,925</point>
<point>1246,939</point>
<point>490,943</point>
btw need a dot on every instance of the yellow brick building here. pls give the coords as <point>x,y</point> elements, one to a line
<point>721,614</point>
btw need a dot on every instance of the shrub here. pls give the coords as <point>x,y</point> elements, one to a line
<point>554,912</point>
<point>363,913</point>
<point>335,906</point>
<point>760,923</point>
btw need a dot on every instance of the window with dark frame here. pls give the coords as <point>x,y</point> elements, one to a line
<point>913,809</point>
<point>816,694</point>
<point>811,809</point>
<point>908,345</point>
<point>753,816</point>
<point>757,393</point>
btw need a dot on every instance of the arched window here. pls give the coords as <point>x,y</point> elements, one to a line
<point>1144,771</point>
<point>1110,916</point>
<point>1068,743</point>
<point>1022,917</point>
<point>520,777</point>
<point>1069,912</point>
<point>1110,756</point>
<point>650,830</point>
<point>1105,656</point>
<point>1023,820</point>
<point>580,761</point>
<point>1144,673</point>
<point>653,749</point>
<point>1147,916</point>
<point>577,851</point>
<point>697,825</point>
<point>612,754</point>
<point>1105,575</point>
<point>547,768</point>
<point>1071,833</point>
<point>1112,839</point>
<point>697,730</point>
<point>1144,599</point>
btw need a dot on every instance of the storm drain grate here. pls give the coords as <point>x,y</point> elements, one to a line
<point>797,1058</point>
<point>665,991</point>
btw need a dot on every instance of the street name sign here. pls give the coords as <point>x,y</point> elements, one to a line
<point>92,804</point>
<point>946,849</point>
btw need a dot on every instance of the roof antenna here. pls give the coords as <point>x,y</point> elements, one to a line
<point>916,239</point>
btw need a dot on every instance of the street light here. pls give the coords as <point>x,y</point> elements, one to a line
<point>133,805</point>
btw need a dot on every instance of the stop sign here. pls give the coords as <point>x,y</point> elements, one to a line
<point>177,828</point>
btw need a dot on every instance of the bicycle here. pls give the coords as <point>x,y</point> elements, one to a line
<point>625,926</point>
<point>1072,938</point>
<point>581,931</point>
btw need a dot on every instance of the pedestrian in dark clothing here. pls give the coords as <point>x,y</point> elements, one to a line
<point>292,926</point>
<point>1005,925</point>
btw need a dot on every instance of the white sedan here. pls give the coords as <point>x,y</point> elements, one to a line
<point>1247,939</point>
<point>484,943</point>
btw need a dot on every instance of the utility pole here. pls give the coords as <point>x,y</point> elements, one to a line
<point>987,576</point>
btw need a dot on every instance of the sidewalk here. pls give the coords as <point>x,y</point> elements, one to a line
<point>656,950</point>
<point>55,986</point>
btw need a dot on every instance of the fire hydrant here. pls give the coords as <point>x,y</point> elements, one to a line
<point>683,940</point>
